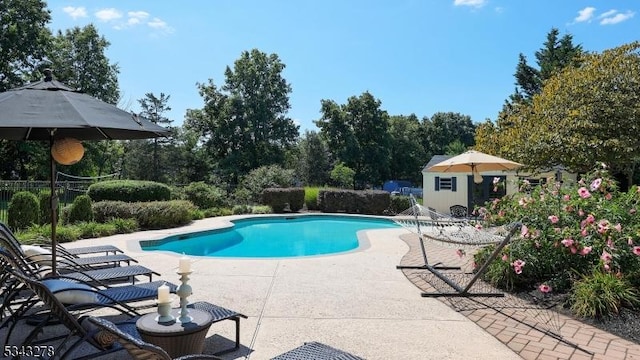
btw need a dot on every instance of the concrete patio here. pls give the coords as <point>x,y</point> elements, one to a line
<point>355,301</point>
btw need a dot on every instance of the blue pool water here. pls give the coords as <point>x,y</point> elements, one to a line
<point>273,237</point>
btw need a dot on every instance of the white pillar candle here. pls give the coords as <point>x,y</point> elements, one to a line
<point>163,293</point>
<point>185,265</point>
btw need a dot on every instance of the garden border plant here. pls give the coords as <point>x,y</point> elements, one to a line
<point>579,239</point>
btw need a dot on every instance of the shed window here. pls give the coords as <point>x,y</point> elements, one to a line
<point>447,183</point>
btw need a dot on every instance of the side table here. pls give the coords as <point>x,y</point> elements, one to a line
<point>175,338</point>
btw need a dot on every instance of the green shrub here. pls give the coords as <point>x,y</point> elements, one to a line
<point>311,197</point>
<point>261,209</point>
<point>23,210</point>
<point>44,199</point>
<point>241,209</point>
<point>129,191</point>
<point>149,215</point>
<point>205,196</point>
<point>398,204</point>
<point>214,212</point>
<point>272,176</point>
<point>124,226</point>
<point>601,294</point>
<point>80,210</point>
<point>104,211</point>
<point>343,176</point>
<point>579,237</point>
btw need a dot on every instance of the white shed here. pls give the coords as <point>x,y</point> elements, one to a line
<point>441,190</point>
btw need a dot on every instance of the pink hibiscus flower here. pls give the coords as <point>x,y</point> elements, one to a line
<point>544,288</point>
<point>585,250</point>
<point>554,219</point>
<point>606,257</point>
<point>567,242</point>
<point>595,184</point>
<point>584,193</point>
<point>636,250</point>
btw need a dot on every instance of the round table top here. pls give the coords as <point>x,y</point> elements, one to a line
<point>149,324</point>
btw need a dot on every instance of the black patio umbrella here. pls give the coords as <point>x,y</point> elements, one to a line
<point>48,110</point>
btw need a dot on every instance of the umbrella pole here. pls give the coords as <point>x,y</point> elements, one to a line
<point>54,208</point>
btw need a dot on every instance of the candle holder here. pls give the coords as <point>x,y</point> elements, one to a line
<point>164,311</point>
<point>184,291</point>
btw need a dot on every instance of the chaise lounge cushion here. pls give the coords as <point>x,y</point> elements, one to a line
<point>71,293</point>
<point>37,254</point>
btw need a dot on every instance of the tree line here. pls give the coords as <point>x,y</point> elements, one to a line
<point>242,125</point>
<point>573,109</point>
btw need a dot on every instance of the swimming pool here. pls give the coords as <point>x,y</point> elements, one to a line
<point>279,236</point>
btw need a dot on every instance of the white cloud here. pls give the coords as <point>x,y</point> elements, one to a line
<point>616,18</point>
<point>585,14</point>
<point>472,3</point>
<point>108,14</point>
<point>141,15</point>
<point>608,13</point>
<point>136,17</point>
<point>75,12</point>
<point>158,24</point>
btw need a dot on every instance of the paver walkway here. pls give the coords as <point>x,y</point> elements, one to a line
<point>507,325</point>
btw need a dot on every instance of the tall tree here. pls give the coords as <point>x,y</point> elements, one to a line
<point>313,159</point>
<point>358,133</point>
<point>244,124</point>
<point>154,152</point>
<point>444,128</point>
<point>556,53</point>
<point>24,39</point>
<point>583,115</point>
<point>79,60</point>
<point>407,153</point>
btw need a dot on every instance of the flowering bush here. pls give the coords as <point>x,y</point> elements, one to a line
<point>569,233</point>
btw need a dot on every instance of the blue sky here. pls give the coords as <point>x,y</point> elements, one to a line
<point>416,56</point>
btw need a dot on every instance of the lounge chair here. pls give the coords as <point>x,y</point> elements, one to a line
<point>73,270</point>
<point>44,252</point>
<point>76,326</point>
<point>107,249</point>
<point>82,295</point>
<point>317,351</point>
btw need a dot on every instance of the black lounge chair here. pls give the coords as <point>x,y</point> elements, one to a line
<point>107,249</point>
<point>73,270</point>
<point>76,326</point>
<point>317,351</point>
<point>8,239</point>
<point>111,296</point>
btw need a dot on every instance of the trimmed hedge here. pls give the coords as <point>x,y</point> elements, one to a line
<point>370,202</point>
<point>80,210</point>
<point>205,196</point>
<point>129,191</point>
<point>278,198</point>
<point>23,210</point>
<point>149,215</point>
<point>44,199</point>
